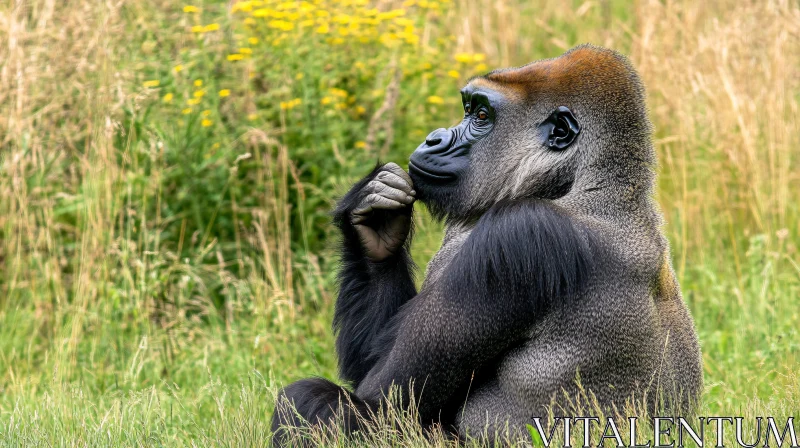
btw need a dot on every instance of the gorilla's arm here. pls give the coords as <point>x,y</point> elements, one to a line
<point>521,259</point>
<point>371,291</point>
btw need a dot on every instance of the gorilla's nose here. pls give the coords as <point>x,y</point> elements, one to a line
<point>437,141</point>
<point>435,159</point>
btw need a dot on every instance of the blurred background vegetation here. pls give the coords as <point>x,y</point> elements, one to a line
<point>167,169</point>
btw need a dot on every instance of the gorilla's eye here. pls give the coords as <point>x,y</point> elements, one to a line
<point>482,115</point>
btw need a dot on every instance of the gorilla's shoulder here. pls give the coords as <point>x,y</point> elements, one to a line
<point>527,247</point>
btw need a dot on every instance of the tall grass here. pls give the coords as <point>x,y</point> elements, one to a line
<point>159,278</point>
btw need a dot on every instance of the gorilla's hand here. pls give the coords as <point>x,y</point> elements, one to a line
<point>382,217</point>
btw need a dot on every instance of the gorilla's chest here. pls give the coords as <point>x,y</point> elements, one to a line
<point>453,240</point>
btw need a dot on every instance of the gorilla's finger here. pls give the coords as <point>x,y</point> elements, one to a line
<point>395,169</point>
<point>389,192</point>
<point>358,219</point>
<point>393,180</point>
<point>376,202</point>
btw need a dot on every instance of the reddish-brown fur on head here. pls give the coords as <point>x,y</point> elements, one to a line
<point>585,74</point>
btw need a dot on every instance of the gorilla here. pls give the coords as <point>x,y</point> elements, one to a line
<point>553,282</point>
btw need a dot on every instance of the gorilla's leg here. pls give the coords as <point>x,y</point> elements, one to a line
<point>315,402</point>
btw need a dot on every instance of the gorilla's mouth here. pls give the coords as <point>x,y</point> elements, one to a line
<point>428,173</point>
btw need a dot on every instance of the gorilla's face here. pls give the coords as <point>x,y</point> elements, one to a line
<point>501,149</point>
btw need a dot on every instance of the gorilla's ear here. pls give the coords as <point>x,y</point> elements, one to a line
<point>560,129</point>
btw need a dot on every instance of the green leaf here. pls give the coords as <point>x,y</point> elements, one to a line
<point>536,438</point>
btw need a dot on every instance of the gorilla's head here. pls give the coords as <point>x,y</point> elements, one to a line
<point>545,130</point>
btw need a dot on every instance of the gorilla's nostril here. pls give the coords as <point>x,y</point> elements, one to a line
<point>433,141</point>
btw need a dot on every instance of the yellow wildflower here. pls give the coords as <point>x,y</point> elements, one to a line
<point>360,110</point>
<point>299,76</point>
<point>326,100</point>
<point>464,58</point>
<point>252,117</point>
<point>360,145</point>
<point>245,51</point>
<point>211,27</point>
<point>262,12</point>
<point>322,29</point>
<point>198,82</point>
<point>242,6</point>
<point>281,25</point>
<point>291,104</point>
<point>186,111</point>
<point>453,74</point>
<point>235,57</point>
<point>224,92</point>
<point>190,8</point>
<point>215,146</point>
<point>206,123</point>
<point>193,101</point>
<point>206,113</point>
<point>481,67</point>
<point>412,39</point>
<point>249,21</point>
<point>433,99</point>
<point>168,98</point>
<point>478,57</point>
<point>151,83</point>
<point>393,14</point>
<point>199,93</point>
<point>253,40</point>
<point>197,29</point>
<point>178,68</point>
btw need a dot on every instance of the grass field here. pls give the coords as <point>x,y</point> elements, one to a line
<point>166,172</point>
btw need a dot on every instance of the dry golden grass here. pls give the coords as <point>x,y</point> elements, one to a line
<point>722,83</point>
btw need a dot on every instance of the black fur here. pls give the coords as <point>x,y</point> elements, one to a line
<point>369,293</point>
<point>313,402</point>
<point>443,201</point>
<point>528,249</point>
<point>555,183</point>
<point>522,259</point>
